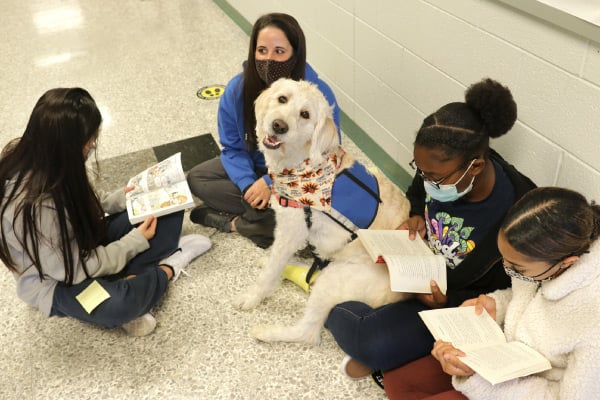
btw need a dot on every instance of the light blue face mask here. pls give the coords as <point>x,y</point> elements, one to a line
<point>446,193</point>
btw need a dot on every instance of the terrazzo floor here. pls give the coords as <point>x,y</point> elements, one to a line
<point>144,61</point>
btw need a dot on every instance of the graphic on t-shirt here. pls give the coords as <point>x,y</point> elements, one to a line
<point>448,237</point>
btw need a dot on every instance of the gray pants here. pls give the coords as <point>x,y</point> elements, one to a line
<point>211,184</point>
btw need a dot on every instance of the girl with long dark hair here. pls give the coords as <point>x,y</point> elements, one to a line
<point>61,239</point>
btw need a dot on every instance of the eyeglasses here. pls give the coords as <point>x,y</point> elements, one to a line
<point>437,183</point>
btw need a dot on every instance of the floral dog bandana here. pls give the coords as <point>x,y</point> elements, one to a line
<point>309,185</point>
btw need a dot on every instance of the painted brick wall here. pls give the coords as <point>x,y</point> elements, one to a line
<point>392,62</point>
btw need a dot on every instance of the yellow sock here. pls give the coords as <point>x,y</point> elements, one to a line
<point>297,273</point>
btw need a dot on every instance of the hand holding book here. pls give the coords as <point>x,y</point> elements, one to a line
<point>485,347</point>
<point>481,304</point>
<point>449,358</point>
<point>148,227</point>
<point>415,226</point>
<point>159,190</point>
<point>411,264</point>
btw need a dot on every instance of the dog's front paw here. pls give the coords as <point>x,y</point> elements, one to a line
<point>248,299</point>
<point>282,333</point>
<point>264,333</point>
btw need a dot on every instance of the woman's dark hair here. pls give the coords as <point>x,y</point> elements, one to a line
<point>463,129</point>
<point>45,169</point>
<point>253,85</point>
<point>551,223</point>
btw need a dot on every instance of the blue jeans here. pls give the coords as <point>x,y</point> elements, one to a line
<point>382,338</point>
<point>129,298</point>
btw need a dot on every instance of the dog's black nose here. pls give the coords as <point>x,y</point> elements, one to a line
<point>279,126</point>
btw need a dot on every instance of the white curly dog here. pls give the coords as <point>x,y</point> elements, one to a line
<point>296,132</point>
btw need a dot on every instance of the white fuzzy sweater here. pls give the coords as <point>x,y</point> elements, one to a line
<point>561,320</point>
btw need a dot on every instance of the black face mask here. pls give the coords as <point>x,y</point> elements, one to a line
<point>270,70</point>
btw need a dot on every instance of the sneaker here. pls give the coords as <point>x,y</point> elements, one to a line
<point>206,216</point>
<point>190,247</point>
<point>378,378</point>
<point>140,326</point>
<point>354,369</point>
<point>260,232</point>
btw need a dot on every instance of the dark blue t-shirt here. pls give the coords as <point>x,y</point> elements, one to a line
<point>454,228</point>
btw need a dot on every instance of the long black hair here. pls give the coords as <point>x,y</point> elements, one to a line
<point>253,84</point>
<point>46,168</point>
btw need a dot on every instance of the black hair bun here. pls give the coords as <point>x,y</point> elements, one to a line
<point>494,104</point>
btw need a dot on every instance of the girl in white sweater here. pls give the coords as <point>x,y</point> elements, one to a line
<point>550,249</point>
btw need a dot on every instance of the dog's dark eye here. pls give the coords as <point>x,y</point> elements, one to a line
<point>305,114</point>
<point>282,99</point>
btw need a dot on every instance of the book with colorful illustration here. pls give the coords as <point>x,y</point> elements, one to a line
<point>159,190</point>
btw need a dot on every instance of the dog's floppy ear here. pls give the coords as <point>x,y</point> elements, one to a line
<point>260,108</point>
<point>325,135</point>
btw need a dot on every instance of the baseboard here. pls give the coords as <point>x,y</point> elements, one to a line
<point>232,13</point>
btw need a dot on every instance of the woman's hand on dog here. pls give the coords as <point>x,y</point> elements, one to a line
<point>258,194</point>
<point>415,224</point>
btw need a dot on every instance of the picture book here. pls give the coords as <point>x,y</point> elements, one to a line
<point>159,190</point>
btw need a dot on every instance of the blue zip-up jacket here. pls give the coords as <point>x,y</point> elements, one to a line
<point>239,163</point>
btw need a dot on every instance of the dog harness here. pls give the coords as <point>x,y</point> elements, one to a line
<point>349,197</point>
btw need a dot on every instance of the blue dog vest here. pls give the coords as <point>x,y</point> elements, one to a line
<point>355,195</point>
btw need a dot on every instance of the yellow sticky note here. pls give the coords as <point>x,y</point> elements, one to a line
<point>92,296</point>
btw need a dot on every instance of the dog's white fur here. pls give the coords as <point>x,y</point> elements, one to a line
<point>351,275</point>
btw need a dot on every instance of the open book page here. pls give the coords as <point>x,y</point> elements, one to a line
<point>484,344</point>
<point>505,361</point>
<point>159,190</point>
<point>411,263</point>
<point>163,174</point>
<point>412,274</point>
<point>462,327</point>
<point>161,201</point>
<point>378,242</point>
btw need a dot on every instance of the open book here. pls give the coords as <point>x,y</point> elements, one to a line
<point>411,263</point>
<point>481,339</point>
<point>159,190</point>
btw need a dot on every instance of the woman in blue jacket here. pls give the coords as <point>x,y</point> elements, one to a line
<point>235,187</point>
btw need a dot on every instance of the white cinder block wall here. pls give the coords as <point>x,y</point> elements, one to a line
<point>393,62</point>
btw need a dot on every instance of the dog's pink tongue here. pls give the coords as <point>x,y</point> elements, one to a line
<point>271,142</point>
